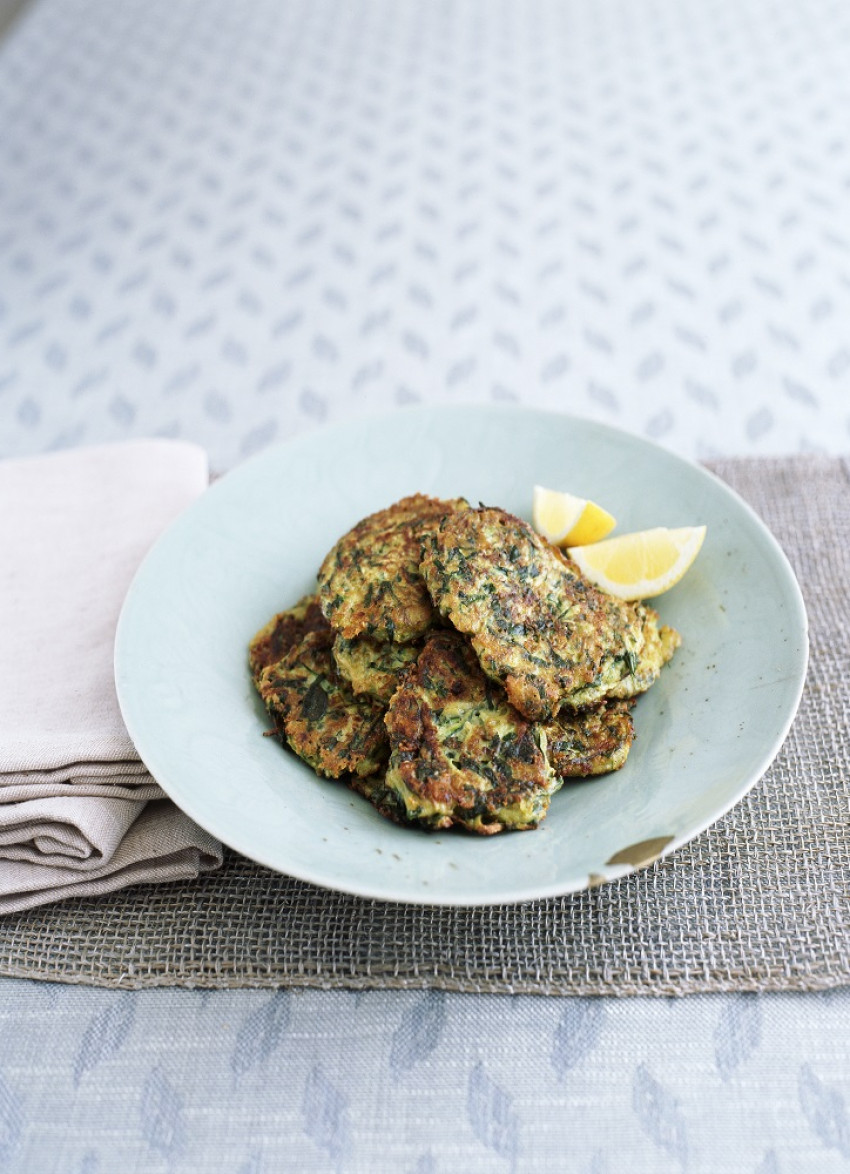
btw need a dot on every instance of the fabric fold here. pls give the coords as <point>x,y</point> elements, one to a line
<point>161,845</point>
<point>79,812</point>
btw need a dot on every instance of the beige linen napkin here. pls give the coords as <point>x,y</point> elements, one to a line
<point>79,814</point>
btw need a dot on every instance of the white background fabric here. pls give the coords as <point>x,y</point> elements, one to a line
<point>231,222</point>
<point>256,1083</point>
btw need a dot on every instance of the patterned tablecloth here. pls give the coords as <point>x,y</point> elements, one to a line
<point>234,221</point>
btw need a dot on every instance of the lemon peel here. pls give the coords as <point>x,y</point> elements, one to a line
<point>642,564</point>
<point>566,520</point>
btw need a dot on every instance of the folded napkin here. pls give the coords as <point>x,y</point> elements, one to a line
<point>79,813</point>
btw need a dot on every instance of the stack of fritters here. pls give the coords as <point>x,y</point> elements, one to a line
<point>454,668</point>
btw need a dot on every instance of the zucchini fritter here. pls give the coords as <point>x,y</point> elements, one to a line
<point>387,802</point>
<point>276,637</point>
<point>373,666</point>
<point>316,713</point>
<point>531,684</point>
<point>460,753</point>
<point>369,582</point>
<point>659,644</point>
<point>536,624</point>
<point>589,741</point>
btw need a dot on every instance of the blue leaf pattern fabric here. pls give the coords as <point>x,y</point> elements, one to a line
<point>10,1120</point>
<point>425,1165</point>
<point>769,1164</point>
<point>260,1033</point>
<point>737,1033</point>
<point>825,1109</point>
<point>252,1165</point>
<point>229,1082</point>
<point>105,1034</point>
<point>491,1115</point>
<point>659,1114</point>
<point>419,1031</point>
<point>161,1112</point>
<point>325,1115</point>
<point>607,213</point>
<point>577,1034</point>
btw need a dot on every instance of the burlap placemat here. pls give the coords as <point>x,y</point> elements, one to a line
<point>758,902</point>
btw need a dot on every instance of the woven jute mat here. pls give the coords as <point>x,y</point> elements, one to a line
<point>761,901</point>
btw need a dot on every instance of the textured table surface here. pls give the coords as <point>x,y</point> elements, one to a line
<point>757,902</point>
<point>232,222</point>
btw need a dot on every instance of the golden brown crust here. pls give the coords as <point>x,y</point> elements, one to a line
<point>537,626</point>
<point>373,666</point>
<point>460,753</point>
<point>283,631</point>
<point>369,582</point>
<point>385,801</point>
<point>318,716</point>
<point>590,741</point>
<point>659,644</point>
<point>532,684</point>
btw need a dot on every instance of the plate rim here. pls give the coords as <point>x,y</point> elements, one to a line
<point>540,892</point>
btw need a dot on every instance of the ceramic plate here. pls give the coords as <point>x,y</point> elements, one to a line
<point>251,546</point>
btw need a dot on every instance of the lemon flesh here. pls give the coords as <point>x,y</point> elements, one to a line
<point>640,565</point>
<point>565,520</point>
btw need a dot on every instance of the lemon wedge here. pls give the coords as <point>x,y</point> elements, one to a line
<point>565,520</point>
<point>640,565</point>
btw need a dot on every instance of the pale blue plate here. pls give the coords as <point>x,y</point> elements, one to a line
<point>706,732</point>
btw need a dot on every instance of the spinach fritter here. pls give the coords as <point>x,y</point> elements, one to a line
<point>659,644</point>
<point>386,802</point>
<point>589,741</point>
<point>537,626</point>
<point>316,713</point>
<point>476,724</point>
<point>276,637</point>
<point>373,666</point>
<point>460,753</point>
<point>369,582</point>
